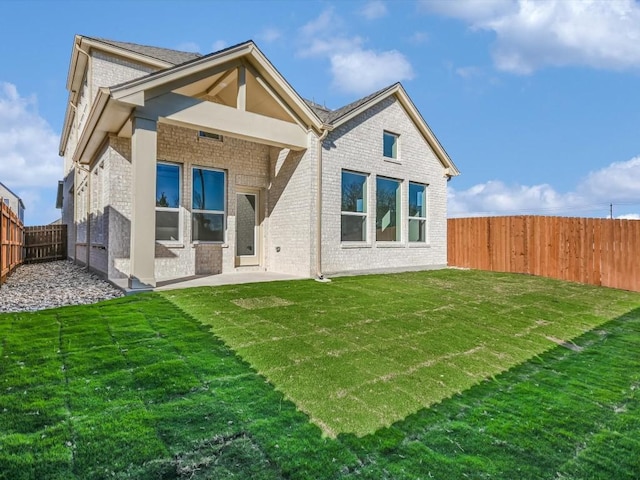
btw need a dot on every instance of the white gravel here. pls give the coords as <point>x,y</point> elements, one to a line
<point>38,286</point>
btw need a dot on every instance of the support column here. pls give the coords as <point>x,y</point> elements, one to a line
<point>241,102</point>
<point>143,203</point>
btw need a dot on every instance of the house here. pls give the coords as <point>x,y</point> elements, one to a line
<point>12,200</point>
<point>178,164</point>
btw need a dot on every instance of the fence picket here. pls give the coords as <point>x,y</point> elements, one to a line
<point>587,250</point>
<point>11,240</point>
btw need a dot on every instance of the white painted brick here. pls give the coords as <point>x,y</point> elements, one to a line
<point>357,146</point>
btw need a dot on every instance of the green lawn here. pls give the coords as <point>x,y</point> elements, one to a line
<point>361,353</point>
<point>138,388</point>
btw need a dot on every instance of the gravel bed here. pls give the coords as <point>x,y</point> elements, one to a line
<point>38,286</point>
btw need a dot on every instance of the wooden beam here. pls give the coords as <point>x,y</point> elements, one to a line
<point>279,100</point>
<point>219,85</point>
<point>199,114</point>
<point>241,103</point>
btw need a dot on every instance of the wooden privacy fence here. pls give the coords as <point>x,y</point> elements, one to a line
<point>587,250</point>
<point>45,243</point>
<point>11,240</point>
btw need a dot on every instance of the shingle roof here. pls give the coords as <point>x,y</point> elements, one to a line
<point>330,116</point>
<point>168,55</point>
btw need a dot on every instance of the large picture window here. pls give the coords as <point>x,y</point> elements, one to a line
<point>417,212</point>
<point>354,207</point>
<point>208,207</point>
<point>387,210</point>
<point>167,202</point>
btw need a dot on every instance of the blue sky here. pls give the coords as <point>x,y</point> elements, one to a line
<point>537,103</point>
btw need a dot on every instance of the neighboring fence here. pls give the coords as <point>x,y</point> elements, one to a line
<point>45,243</point>
<point>11,239</point>
<point>587,250</point>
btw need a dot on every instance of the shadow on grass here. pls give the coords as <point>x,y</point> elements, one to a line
<point>571,413</point>
<point>176,403</point>
<point>564,414</point>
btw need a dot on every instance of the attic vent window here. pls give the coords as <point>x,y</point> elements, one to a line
<point>212,136</point>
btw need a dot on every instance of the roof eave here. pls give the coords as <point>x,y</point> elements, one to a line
<point>77,66</point>
<point>302,107</point>
<point>105,111</point>
<point>66,127</point>
<point>132,92</point>
<point>396,89</point>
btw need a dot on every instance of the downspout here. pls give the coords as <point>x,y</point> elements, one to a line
<point>88,229</point>
<point>75,189</point>
<point>88,172</point>
<point>319,274</point>
<point>89,69</point>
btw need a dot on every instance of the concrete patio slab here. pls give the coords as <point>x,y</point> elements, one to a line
<point>233,278</point>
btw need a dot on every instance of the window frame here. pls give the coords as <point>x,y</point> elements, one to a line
<point>399,214</point>
<point>395,149</point>
<point>214,212</point>
<point>364,214</point>
<point>171,209</point>
<point>424,218</point>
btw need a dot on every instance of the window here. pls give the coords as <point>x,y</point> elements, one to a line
<point>390,145</point>
<point>167,202</point>
<point>354,207</point>
<point>387,210</point>
<point>417,212</point>
<point>208,215</point>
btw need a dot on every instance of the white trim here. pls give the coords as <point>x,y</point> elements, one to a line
<point>404,99</point>
<point>426,213</point>
<point>178,209</point>
<point>214,212</point>
<point>365,206</point>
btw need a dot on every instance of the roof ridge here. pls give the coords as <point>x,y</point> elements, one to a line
<point>169,55</point>
<point>344,110</point>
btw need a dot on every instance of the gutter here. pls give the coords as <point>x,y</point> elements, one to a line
<point>97,109</point>
<point>75,213</point>
<point>319,276</point>
<point>73,100</point>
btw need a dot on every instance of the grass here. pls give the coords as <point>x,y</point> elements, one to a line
<point>361,353</point>
<point>137,388</point>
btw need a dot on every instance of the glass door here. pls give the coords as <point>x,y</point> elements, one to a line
<point>247,225</point>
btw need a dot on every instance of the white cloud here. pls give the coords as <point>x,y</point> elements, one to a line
<point>381,69</point>
<point>218,45</point>
<point>629,216</point>
<point>531,34</point>
<point>269,35</point>
<point>374,9</point>
<point>28,145</point>
<point>29,161</point>
<point>354,68</point>
<point>618,183</point>
<point>188,47</point>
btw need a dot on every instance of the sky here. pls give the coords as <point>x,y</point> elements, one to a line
<point>536,102</point>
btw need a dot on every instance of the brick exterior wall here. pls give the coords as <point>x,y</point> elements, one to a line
<point>109,70</point>
<point>357,146</point>
<point>285,181</point>
<point>247,165</point>
<point>106,70</point>
<point>290,235</point>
